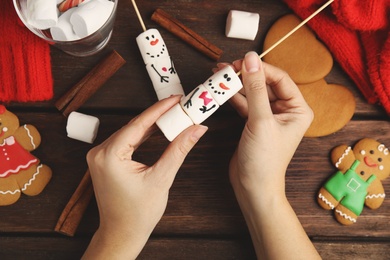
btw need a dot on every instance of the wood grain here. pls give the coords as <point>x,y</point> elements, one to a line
<point>202,220</point>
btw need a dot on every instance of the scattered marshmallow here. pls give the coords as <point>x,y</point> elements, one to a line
<point>242,25</point>
<point>42,14</point>
<point>82,127</point>
<point>173,122</point>
<point>89,17</point>
<point>63,31</point>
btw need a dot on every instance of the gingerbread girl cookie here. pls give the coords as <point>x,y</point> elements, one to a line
<point>358,181</point>
<point>20,171</point>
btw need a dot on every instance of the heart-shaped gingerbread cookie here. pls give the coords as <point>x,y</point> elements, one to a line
<point>333,106</point>
<point>308,61</point>
<point>304,57</point>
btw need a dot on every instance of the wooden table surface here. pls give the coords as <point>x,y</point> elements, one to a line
<point>202,220</point>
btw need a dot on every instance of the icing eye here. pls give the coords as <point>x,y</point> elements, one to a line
<point>362,173</point>
<point>226,76</point>
<point>379,159</point>
<point>147,38</point>
<point>381,167</point>
<point>371,151</point>
<point>153,36</point>
<point>362,152</point>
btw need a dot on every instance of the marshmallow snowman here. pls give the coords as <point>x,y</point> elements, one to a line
<point>201,103</point>
<point>159,64</point>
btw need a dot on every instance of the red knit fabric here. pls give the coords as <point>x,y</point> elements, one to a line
<point>25,67</point>
<point>357,34</point>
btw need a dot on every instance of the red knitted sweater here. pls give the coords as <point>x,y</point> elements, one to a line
<point>357,32</point>
<point>25,67</point>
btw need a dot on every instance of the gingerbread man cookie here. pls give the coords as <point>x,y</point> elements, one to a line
<point>357,181</point>
<point>20,171</point>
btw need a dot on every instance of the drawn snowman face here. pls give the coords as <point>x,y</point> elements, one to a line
<point>151,45</point>
<point>223,84</point>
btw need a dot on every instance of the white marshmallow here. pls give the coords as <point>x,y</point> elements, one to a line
<point>42,14</point>
<point>173,122</point>
<point>152,46</point>
<point>89,17</point>
<point>223,84</point>
<point>63,31</point>
<point>199,104</point>
<point>171,90</point>
<point>242,25</point>
<point>82,127</point>
<point>163,75</point>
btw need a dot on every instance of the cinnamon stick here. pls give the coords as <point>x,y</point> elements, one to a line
<point>90,83</point>
<point>73,212</point>
<point>186,34</point>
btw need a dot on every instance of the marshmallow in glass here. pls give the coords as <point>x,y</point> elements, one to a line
<point>42,14</point>
<point>63,30</point>
<point>90,16</point>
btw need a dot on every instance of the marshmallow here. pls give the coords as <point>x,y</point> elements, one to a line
<point>89,17</point>
<point>171,90</point>
<point>151,46</point>
<point>199,104</point>
<point>42,14</point>
<point>163,75</point>
<point>82,127</point>
<point>223,85</point>
<point>63,31</point>
<point>242,25</point>
<point>173,122</point>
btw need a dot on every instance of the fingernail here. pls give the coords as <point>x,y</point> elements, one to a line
<point>252,62</point>
<point>199,132</point>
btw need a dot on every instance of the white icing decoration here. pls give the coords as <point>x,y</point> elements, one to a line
<point>386,151</point>
<point>381,147</point>
<point>29,135</point>
<point>25,185</point>
<point>342,157</point>
<point>33,178</point>
<point>19,168</point>
<point>362,152</point>
<point>10,192</point>
<point>346,216</point>
<point>376,196</point>
<point>327,202</point>
<point>381,167</point>
<point>5,129</point>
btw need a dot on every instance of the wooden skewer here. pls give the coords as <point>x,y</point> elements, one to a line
<point>138,15</point>
<point>293,30</point>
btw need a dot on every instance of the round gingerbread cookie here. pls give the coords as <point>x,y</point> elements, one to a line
<point>301,55</point>
<point>333,107</point>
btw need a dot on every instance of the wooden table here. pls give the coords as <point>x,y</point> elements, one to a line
<point>203,220</point>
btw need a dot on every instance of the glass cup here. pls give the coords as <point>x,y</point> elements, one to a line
<point>86,46</point>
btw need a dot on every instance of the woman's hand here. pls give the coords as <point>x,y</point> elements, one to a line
<point>131,196</point>
<point>277,118</point>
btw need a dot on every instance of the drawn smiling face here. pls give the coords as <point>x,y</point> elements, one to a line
<point>151,45</point>
<point>374,158</point>
<point>223,84</point>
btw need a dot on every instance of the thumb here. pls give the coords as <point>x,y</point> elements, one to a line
<point>255,86</point>
<point>173,157</point>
